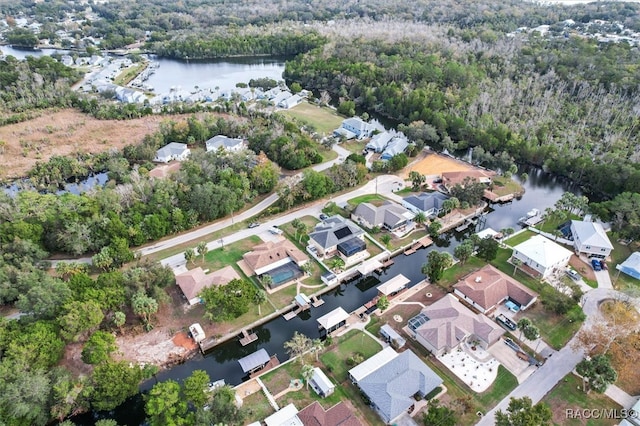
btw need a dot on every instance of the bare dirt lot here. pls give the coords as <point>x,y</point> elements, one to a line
<point>435,164</point>
<point>65,132</point>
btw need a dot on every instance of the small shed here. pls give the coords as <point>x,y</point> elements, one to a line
<point>254,361</point>
<point>333,320</point>
<point>321,383</point>
<point>197,332</point>
<point>631,266</point>
<point>394,285</point>
<point>392,337</point>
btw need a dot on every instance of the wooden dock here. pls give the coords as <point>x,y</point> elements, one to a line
<point>422,242</point>
<point>273,362</point>
<point>388,263</point>
<point>292,314</point>
<point>207,344</point>
<point>373,302</point>
<point>247,337</point>
<point>315,301</point>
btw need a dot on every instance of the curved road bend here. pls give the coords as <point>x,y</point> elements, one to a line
<point>561,363</point>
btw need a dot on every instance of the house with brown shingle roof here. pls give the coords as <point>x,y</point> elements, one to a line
<point>487,287</point>
<point>451,179</point>
<point>338,415</point>
<point>279,259</point>
<point>446,323</point>
<point>194,281</point>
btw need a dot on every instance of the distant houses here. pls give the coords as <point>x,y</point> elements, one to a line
<point>172,151</point>
<point>225,143</point>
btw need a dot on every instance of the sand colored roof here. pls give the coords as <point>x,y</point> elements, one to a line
<point>338,415</point>
<point>193,282</point>
<point>449,321</point>
<point>454,178</point>
<point>224,276</point>
<point>270,252</point>
<point>488,286</point>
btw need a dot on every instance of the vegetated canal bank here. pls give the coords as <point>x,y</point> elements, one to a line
<point>541,191</point>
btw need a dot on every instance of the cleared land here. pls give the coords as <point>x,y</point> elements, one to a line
<point>324,120</point>
<point>435,164</point>
<point>66,132</point>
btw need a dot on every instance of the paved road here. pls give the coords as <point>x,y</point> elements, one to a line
<point>385,185</point>
<point>562,362</point>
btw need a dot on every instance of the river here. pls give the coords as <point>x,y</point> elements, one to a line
<point>541,191</point>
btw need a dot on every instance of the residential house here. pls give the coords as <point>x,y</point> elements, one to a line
<point>321,384</point>
<point>392,381</point>
<point>194,281</point>
<point>451,179</point>
<point>631,266</point>
<point>280,96</point>
<point>338,415</point>
<point>390,216</point>
<point>286,416</point>
<point>487,287</point>
<point>360,129</point>
<point>397,146</point>
<point>336,235</point>
<point>429,203</point>
<point>332,321</point>
<point>290,102</point>
<point>633,416</point>
<point>280,259</point>
<point>379,141</point>
<point>590,239</point>
<point>225,143</point>
<point>173,151</point>
<point>443,325</point>
<point>540,256</point>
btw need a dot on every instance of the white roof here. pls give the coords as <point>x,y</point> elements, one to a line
<point>591,233</point>
<point>321,380</point>
<point>372,364</point>
<point>302,299</point>
<point>369,266</point>
<point>394,284</point>
<point>333,318</point>
<point>543,251</point>
<point>489,232</point>
<point>286,416</point>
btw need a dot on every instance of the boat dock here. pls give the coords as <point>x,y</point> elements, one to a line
<point>467,223</point>
<point>532,218</point>
<point>316,301</point>
<point>422,242</point>
<point>292,314</point>
<point>388,263</point>
<point>247,337</point>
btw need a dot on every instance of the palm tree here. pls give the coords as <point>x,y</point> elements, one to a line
<point>259,298</point>
<point>385,239</point>
<point>420,218</point>
<point>298,345</point>
<point>316,347</point>
<point>307,373</point>
<point>190,255</point>
<point>516,263</point>
<point>336,263</point>
<point>266,280</point>
<point>296,224</point>
<point>302,229</point>
<point>523,324</point>
<point>202,249</point>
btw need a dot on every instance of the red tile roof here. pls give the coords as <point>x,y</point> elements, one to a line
<point>338,415</point>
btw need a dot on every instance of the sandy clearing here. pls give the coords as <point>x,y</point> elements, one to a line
<point>66,132</point>
<point>435,164</point>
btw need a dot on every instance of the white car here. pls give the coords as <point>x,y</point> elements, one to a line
<point>275,231</point>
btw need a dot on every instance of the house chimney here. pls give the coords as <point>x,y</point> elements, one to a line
<point>478,279</point>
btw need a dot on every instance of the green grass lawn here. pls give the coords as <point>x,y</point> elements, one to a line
<point>555,329</point>
<point>354,145</point>
<point>129,74</point>
<point>505,382</point>
<point>520,238</point>
<point>619,254</point>
<point>568,395</point>
<point>327,155</point>
<point>551,224</point>
<point>257,407</point>
<point>229,255</point>
<point>504,186</point>
<point>324,120</point>
<point>354,341</point>
<point>457,271</point>
<point>374,199</point>
<point>396,243</point>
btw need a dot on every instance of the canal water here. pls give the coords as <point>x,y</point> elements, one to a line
<point>541,191</point>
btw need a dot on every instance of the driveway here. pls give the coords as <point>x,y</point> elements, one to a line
<point>508,358</point>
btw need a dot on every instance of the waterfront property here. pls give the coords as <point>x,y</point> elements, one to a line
<point>442,326</point>
<point>390,216</point>
<point>451,179</point>
<point>428,203</point>
<point>337,235</point>
<point>255,361</point>
<point>321,384</point>
<point>487,287</point>
<point>225,143</point>
<point>290,102</point>
<point>391,381</point>
<point>332,321</point>
<point>394,286</point>
<point>280,259</point>
<point>172,151</point>
<point>355,127</point>
<point>379,141</point>
<point>540,256</point>
<point>194,281</point>
<point>396,146</point>
<point>338,415</point>
<point>590,239</point>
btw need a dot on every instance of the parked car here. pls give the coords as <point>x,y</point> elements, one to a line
<point>603,265</point>
<point>275,230</point>
<point>572,274</point>
<point>323,216</point>
<point>595,263</point>
<point>254,225</point>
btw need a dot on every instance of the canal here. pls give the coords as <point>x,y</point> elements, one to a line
<point>541,191</point>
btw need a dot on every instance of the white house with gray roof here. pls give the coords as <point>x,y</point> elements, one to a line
<point>172,151</point>
<point>226,143</point>
<point>590,239</point>
<point>390,216</point>
<point>379,142</point>
<point>542,255</point>
<point>428,203</point>
<point>390,385</point>
<point>337,235</point>
<point>355,125</point>
<point>396,146</point>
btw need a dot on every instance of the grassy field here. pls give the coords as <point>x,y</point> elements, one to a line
<point>504,186</point>
<point>520,238</point>
<point>324,120</point>
<point>555,329</point>
<point>374,199</point>
<point>229,255</point>
<point>354,145</point>
<point>505,382</point>
<point>257,406</point>
<point>551,224</point>
<point>568,395</point>
<point>129,74</point>
<point>457,271</point>
<point>353,342</point>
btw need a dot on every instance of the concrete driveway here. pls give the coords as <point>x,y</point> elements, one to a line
<point>507,357</point>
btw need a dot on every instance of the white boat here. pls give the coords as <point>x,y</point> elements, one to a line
<point>533,213</point>
<point>217,384</point>
<point>197,332</point>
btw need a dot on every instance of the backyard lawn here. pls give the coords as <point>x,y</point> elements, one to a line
<point>354,145</point>
<point>555,329</point>
<point>504,186</point>
<point>457,271</point>
<point>229,255</point>
<point>520,238</point>
<point>324,120</point>
<point>374,199</point>
<point>551,224</point>
<point>257,406</point>
<point>353,342</point>
<point>568,395</point>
